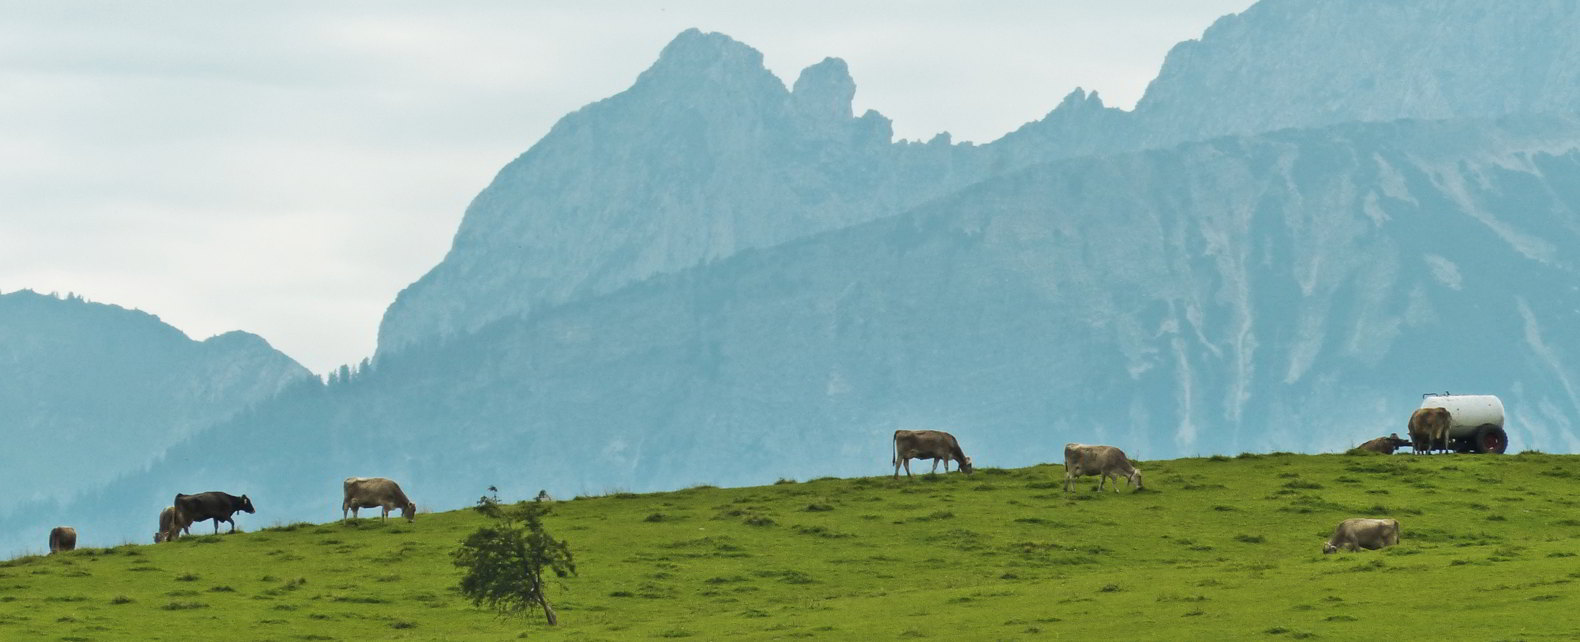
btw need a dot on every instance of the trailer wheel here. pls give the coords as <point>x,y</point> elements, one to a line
<point>1490,439</point>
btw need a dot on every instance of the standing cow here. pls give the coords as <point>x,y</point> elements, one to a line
<point>1081,460</point>
<point>61,539</point>
<point>213,505</point>
<point>1429,427</point>
<point>170,527</point>
<point>1357,533</point>
<point>927,444</point>
<point>367,492</point>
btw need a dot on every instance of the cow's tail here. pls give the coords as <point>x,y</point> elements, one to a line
<point>896,444</point>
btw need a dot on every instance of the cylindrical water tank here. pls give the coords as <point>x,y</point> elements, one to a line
<point>1477,420</point>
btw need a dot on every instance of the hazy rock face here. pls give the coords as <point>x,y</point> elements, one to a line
<point>91,391</point>
<point>1295,63</point>
<point>707,154</point>
<point>1292,63</point>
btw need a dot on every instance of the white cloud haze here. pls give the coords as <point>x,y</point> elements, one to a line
<point>285,168</point>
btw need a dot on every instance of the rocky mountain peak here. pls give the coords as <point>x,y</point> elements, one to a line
<point>824,91</point>
<point>706,63</point>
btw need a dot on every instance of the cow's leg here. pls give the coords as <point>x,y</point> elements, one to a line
<point>907,462</point>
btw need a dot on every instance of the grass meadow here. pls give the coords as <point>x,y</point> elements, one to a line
<point>1215,548</point>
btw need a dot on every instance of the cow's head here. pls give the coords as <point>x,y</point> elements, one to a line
<point>246,504</point>
<point>966,467</point>
<point>1135,478</point>
<point>409,511</point>
<point>1329,548</point>
<point>158,537</point>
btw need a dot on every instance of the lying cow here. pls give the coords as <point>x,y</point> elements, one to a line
<point>1359,532</point>
<point>61,539</point>
<point>1385,445</point>
<point>927,444</point>
<point>213,505</point>
<point>170,528</point>
<point>1428,428</point>
<point>367,492</point>
<point>1081,460</point>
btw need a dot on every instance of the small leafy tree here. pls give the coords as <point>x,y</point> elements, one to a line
<point>504,562</point>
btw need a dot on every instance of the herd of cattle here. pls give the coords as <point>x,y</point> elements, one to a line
<point>1108,462</point>
<point>359,492</point>
<point>1080,460</point>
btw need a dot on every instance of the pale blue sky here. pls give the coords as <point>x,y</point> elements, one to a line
<point>286,167</point>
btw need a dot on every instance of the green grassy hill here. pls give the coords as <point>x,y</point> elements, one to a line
<point>1215,548</point>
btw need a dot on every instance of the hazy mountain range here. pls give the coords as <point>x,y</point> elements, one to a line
<point>89,392</point>
<point>1317,212</point>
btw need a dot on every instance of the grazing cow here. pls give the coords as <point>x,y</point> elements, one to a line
<point>1359,532</point>
<point>170,528</point>
<point>367,492</point>
<point>1429,427</point>
<point>927,444</point>
<point>62,538</point>
<point>1385,445</point>
<point>1081,460</point>
<point>213,505</point>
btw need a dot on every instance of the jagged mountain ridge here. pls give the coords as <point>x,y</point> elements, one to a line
<point>709,154</point>
<point>705,155</point>
<point>91,391</point>
<point>1292,291</point>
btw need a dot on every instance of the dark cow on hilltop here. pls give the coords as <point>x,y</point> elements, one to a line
<point>927,444</point>
<point>1429,428</point>
<point>370,492</point>
<point>213,505</point>
<point>62,539</point>
<point>1385,445</point>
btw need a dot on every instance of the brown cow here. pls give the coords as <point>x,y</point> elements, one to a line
<point>1385,445</point>
<point>1081,460</point>
<point>367,492</point>
<point>927,444</point>
<point>1428,428</point>
<point>171,525</point>
<point>62,538</point>
<point>1357,533</point>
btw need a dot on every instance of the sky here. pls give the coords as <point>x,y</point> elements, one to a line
<point>285,168</point>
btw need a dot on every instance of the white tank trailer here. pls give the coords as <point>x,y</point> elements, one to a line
<point>1477,421</point>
